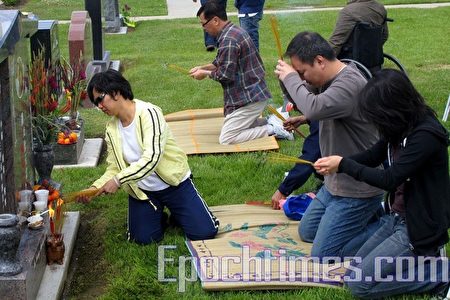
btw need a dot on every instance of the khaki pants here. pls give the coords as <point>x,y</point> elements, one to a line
<point>244,124</point>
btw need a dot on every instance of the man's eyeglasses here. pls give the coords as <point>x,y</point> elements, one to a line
<point>99,99</point>
<point>206,23</point>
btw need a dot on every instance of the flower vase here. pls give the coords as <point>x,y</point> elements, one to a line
<point>43,161</point>
<point>55,249</point>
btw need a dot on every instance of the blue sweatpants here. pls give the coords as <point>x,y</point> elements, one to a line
<point>186,206</point>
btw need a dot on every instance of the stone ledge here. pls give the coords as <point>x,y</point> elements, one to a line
<point>52,283</point>
<point>90,154</point>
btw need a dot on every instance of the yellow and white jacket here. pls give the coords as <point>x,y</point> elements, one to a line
<point>160,153</point>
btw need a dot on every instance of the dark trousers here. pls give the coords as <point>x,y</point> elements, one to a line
<point>187,209</point>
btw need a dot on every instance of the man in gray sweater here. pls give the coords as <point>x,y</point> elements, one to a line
<point>325,89</point>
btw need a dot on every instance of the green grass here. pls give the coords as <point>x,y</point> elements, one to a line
<point>284,4</point>
<point>112,268</point>
<point>62,9</point>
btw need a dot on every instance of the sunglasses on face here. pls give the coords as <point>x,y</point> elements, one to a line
<point>99,99</point>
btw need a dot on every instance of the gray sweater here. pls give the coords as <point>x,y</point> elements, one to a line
<point>342,131</point>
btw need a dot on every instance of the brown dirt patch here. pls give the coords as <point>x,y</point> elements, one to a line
<point>86,277</point>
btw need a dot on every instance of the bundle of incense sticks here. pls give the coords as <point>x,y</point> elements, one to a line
<point>71,197</point>
<point>276,34</point>
<point>177,68</point>
<point>259,203</point>
<point>279,116</point>
<point>286,158</point>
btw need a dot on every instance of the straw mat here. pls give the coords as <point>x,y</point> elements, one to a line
<point>197,132</point>
<point>258,248</point>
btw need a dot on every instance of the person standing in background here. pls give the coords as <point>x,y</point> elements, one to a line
<point>250,12</point>
<point>211,41</point>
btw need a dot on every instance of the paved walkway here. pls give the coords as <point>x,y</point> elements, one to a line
<point>179,9</point>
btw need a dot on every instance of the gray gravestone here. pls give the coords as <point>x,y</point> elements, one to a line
<point>16,170</point>
<point>15,149</point>
<point>111,15</point>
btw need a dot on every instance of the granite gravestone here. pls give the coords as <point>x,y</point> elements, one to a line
<point>94,8</point>
<point>16,171</point>
<point>80,38</point>
<point>15,150</point>
<point>112,18</point>
<point>46,37</point>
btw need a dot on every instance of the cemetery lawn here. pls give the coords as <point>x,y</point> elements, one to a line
<point>105,265</point>
<point>61,9</point>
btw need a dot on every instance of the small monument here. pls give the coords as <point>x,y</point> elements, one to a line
<point>112,18</point>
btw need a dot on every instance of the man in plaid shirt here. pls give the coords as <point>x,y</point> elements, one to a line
<point>239,69</point>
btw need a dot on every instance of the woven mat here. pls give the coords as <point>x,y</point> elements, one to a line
<point>258,248</point>
<point>197,132</point>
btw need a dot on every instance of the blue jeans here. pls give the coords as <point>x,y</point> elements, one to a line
<point>186,207</point>
<point>338,226</point>
<point>251,25</point>
<point>391,240</point>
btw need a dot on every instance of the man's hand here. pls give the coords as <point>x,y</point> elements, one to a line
<point>293,123</point>
<point>283,69</point>
<point>327,165</point>
<point>277,196</point>
<point>199,73</point>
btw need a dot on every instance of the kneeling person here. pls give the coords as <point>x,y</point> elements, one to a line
<point>145,161</point>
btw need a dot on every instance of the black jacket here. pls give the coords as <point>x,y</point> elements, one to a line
<point>423,166</point>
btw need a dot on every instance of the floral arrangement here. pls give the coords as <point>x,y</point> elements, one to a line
<point>73,77</point>
<point>126,16</point>
<point>55,91</point>
<point>45,106</point>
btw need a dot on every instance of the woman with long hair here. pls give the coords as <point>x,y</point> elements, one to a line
<point>404,254</point>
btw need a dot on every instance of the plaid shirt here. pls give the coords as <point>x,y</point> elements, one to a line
<point>240,70</point>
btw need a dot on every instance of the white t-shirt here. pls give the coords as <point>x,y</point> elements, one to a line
<point>132,152</point>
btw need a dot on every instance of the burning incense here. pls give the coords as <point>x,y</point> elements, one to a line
<point>71,197</point>
<point>279,116</point>
<point>177,68</point>
<point>286,158</point>
<point>276,34</point>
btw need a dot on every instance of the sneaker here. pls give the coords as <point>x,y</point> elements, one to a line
<point>210,48</point>
<point>281,133</point>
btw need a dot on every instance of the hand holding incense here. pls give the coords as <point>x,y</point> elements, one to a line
<point>83,195</point>
<point>279,116</point>
<point>286,158</point>
<point>177,69</point>
<point>276,34</point>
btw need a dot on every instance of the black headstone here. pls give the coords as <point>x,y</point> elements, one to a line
<point>47,37</point>
<point>94,8</point>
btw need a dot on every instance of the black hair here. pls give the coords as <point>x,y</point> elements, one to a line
<point>392,104</point>
<point>307,45</point>
<point>213,8</point>
<point>109,82</point>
